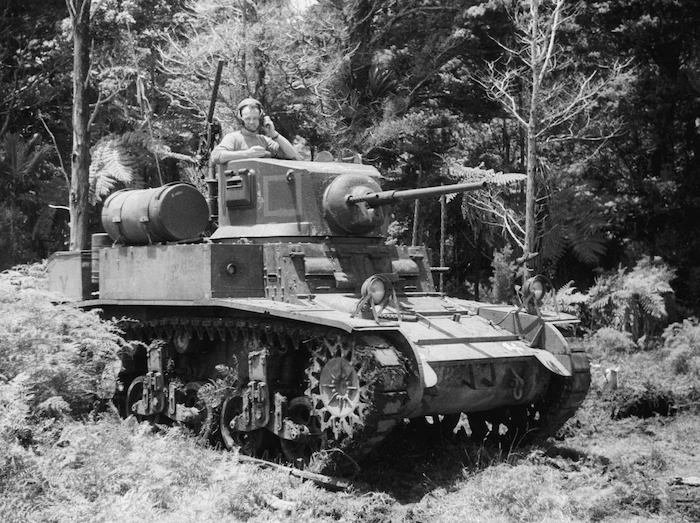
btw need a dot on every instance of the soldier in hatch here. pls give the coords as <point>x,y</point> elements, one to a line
<point>257,137</point>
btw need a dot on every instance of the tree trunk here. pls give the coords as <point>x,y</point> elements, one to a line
<point>80,158</point>
<point>532,126</point>
<point>443,238</point>
<point>359,14</point>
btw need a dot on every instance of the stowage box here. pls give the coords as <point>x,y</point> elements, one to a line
<point>181,272</point>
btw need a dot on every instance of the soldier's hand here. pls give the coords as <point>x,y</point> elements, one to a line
<point>269,127</point>
<point>258,151</point>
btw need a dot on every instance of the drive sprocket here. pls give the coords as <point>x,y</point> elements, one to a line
<point>339,385</point>
<point>357,386</point>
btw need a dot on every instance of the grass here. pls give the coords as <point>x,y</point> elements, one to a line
<point>75,462</point>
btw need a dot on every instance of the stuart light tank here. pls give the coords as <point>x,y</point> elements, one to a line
<point>295,327</point>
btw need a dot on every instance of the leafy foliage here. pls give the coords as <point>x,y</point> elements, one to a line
<point>575,221</point>
<point>504,274</point>
<point>27,186</point>
<point>682,342</point>
<point>633,301</point>
<point>609,340</point>
<point>130,160</point>
<point>570,300</point>
<point>60,350</point>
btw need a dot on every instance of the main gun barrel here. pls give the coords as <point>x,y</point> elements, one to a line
<point>375,199</point>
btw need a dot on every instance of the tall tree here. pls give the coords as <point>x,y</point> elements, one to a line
<point>551,96</point>
<point>79,11</point>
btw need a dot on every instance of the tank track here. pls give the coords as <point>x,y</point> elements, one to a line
<point>354,386</point>
<point>542,419</point>
<point>565,394</point>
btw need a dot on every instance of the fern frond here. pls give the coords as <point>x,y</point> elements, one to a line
<point>567,288</point>
<point>589,250</point>
<point>653,305</point>
<point>54,406</point>
<point>467,174</point>
<point>554,244</point>
<point>21,157</point>
<point>15,398</point>
<point>620,319</point>
<point>502,179</point>
<point>116,162</point>
<point>601,303</point>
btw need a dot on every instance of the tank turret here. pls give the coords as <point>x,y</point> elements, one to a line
<point>353,202</point>
<point>278,198</point>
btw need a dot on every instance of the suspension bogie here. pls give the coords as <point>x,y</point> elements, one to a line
<point>271,385</point>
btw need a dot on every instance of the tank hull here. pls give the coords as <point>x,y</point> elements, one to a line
<point>491,368</point>
<point>294,328</point>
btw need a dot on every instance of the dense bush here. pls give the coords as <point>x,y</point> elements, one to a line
<point>609,340</point>
<point>54,350</point>
<point>51,359</point>
<point>682,341</point>
<point>635,301</point>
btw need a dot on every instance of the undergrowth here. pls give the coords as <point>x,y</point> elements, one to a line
<point>59,350</point>
<point>64,459</point>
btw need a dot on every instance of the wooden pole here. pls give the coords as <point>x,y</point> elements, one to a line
<point>443,214</point>
<point>416,208</point>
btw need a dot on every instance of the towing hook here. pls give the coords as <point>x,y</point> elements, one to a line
<point>517,384</point>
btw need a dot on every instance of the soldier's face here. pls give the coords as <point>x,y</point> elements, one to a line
<point>251,118</point>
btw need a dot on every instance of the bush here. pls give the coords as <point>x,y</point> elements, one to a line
<point>61,350</point>
<point>682,341</point>
<point>504,273</point>
<point>610,340</point>
<point>648,402</point>
<point>634,301</point>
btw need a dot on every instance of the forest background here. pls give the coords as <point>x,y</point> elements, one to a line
<point>430,92</point>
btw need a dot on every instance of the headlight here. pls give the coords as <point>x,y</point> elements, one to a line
<point>377,290</point>
<point>376,294</point>
<point>537,288</point>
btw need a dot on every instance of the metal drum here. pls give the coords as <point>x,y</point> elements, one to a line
<point>174,212</point>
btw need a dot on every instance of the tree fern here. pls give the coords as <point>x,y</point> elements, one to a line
<point>568,299</point>
<point>122,162</point>
<point>111,165</point>
<point>632,301</point>
<point>573,222</point>
<point>20,159</point>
